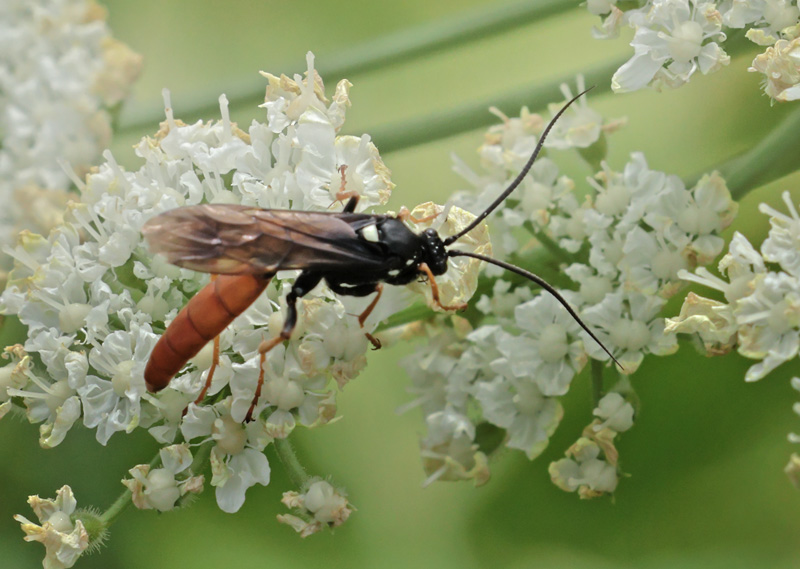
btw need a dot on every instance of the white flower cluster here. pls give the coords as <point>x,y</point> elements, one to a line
<point>590,466</point>
<point>60,73</point>
<point>502,376</point>
<point>760,315</point>
<point>95,300</point>
<point>673,39</point>
<point>159,488</point>
<point>319,506</point>
<point>64,537</point>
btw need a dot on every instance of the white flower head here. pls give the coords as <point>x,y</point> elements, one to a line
<point>780,65</point>
<point>711,320</point>
<point>762,314</point>
<point>55,405</point>
<point>288,392</point>
<point>529,417</point>
<point>612,22</point>
<point>673,40</point>
<point>768,323</point>
<point>580,126</point>
<point>765,18</point>
<point>237,459</point>
<point>320,505</point>
<point>161,488</point>
<point>449,451</point>
<point>549,351</point>
<point>616,413</point>
<point>91,290</point>
<point>64,539</point>
<point>586,470</point>
<point>783,244</point>
<point>60,72</point>
<point>440,371</point>
<point>629,325</point>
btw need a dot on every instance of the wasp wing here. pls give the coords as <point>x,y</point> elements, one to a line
<point>235,239</point>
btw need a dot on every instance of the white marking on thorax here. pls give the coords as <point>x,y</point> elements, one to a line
<point>370,233</point>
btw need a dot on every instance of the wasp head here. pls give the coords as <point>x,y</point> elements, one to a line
<point>435,254</point>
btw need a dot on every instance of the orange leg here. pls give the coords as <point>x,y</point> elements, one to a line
<point>405,215</point>
<point>435,290</point>
<point>266,345</point>
<point>211,370</point>
<point>343,195</point>
<point>214,362</point>
<point>262,357</point>
<point>376,344</point>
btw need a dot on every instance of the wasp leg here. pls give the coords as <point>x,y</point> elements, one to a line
<point>214,363</point>
<point>423,267</point>
<point>211,370</point>
<point>362,290</point>
<point>405,215</point>
<point>343,194</point>
<point>302,286</point>
<point>351,204</point>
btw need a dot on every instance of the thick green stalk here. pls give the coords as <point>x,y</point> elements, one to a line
<point>475,115</point>
<point>392,49</point>
<point>772,158</point>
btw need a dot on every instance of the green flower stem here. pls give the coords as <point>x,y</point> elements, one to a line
<point>201,457</point>
<point>772,158</point>
<point>116,509</point>
<point>290,462</point>
<point>472,116</point>
<point>413,313</point>
<point>391,49</point>
<point>597,381</point>
<point>447,33</point>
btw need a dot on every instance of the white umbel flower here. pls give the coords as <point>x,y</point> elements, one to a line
<point>237,459</point>
<point>161,488</point>
<point>780,65</point>
<point>64,539</point>
<point>320,505</point>
<point>60,72</point>
<point>673,40</point>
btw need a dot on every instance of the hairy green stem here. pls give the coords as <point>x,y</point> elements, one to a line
<point>291,463</point>
<point>201,457</point>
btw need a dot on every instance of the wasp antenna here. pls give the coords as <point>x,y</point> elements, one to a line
<point>518,180</point>
<point>542,283</point>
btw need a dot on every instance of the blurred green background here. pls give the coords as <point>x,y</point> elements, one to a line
<point>705,458</point>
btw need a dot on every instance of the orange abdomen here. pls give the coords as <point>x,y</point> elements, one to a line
<point>206,315</point>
